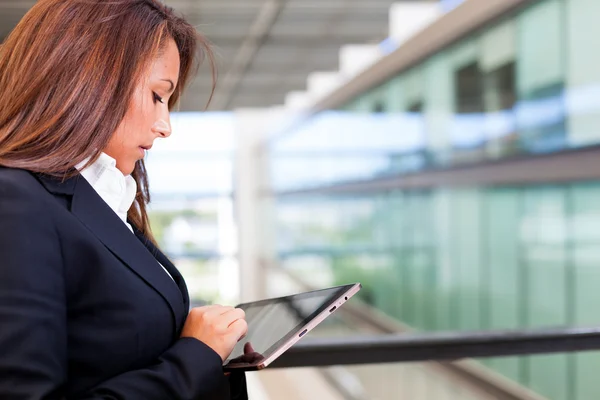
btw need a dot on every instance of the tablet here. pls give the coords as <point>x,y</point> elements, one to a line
<point>274,325</point>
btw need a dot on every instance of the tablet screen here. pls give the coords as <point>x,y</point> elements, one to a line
<point>272,322</point>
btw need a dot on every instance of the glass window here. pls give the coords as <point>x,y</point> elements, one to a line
<point>498,46</point>
<point>499,98</point>
<point>583,71</point>
<point>469,89</point>
<point>394,92</point>
<point>540,49</point>
<point>465,53</point>
<point>540,77</point>
<point>467,132</point>
<point>413,85</point>
<point>439,107</point>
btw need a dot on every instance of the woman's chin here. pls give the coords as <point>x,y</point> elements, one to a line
<point>126,168</point>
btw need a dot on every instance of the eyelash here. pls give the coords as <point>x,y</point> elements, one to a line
<point>157,98</point>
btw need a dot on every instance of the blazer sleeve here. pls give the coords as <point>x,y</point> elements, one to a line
<point>33,322</point>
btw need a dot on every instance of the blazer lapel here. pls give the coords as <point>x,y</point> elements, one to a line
<point>94,213</point>
<point>165,262</point>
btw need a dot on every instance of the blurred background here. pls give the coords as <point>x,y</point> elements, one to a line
<point>443,153</point>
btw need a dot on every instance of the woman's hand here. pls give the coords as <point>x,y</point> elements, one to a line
<point>249,357</point>
<point>219,327</point>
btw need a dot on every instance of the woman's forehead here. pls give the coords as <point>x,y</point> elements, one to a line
<point>166,64</point>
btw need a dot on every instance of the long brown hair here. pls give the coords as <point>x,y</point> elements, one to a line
<point>67,74</point>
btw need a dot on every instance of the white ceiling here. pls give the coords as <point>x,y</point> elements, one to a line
<point>265,48</point>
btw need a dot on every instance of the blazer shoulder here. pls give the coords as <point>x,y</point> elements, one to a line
<point>19,183</point>
<point>25,205</point>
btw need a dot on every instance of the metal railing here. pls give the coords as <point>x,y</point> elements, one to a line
<point>447,353</point>
<point>436,346</point>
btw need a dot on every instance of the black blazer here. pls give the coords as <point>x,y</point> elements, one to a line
<point>86,311</point>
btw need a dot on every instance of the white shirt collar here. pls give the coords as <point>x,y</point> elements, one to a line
<point>116,189</point>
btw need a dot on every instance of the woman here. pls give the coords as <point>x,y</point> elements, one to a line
<point>89,306</point>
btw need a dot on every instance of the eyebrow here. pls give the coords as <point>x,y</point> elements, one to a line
<point>171,82</point>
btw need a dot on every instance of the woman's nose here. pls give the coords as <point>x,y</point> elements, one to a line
<point>162,128</point>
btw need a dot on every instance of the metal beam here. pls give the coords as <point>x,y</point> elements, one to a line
<point>566,166</point>
<point>450,346</point>
<point>259,30</point>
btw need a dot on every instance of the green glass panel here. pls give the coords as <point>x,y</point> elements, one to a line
<point>469,232</point>
<point>544,233</point>
<point>502,283</point>
<point>585,208</point>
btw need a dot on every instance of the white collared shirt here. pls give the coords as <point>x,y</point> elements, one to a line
<point>116,189</point>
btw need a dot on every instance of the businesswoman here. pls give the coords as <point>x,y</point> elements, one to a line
<point>89,306</point>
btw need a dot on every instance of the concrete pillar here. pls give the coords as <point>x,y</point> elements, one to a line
<point>253,207</point>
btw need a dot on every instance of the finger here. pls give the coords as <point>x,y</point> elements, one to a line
<point>204,309</point>
<point>239,328</point>
<point>225,309</point>
<point>218,310</point>
<point>233,315</point>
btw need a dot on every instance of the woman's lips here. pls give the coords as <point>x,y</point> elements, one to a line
<point>144,149</point>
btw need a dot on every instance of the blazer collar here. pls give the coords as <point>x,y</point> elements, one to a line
<point>58,186</point>
<point>101,220</point>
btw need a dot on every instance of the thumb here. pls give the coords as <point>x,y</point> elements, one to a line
<point>248,348</point>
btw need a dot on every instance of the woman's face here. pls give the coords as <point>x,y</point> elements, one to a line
<point>148,115</point>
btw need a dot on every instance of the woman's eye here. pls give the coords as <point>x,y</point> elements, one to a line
<point>157,98</point>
